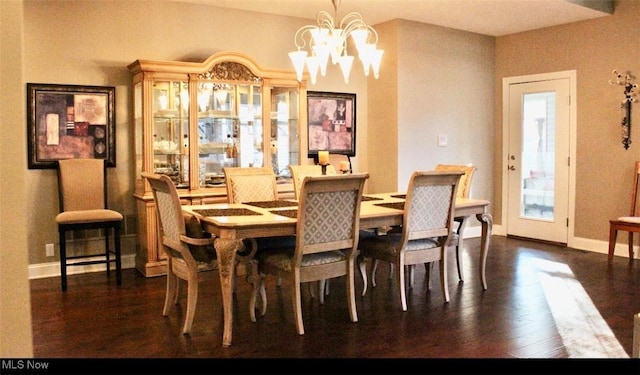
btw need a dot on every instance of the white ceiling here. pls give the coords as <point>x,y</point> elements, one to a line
<point>489,17</point>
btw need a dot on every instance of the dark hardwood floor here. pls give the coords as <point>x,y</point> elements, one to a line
<point>543,302</point>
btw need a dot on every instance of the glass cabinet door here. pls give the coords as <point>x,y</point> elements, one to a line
<point>229,129</point>
<point>284,130</point>
<point>171,131</point>
<point>217,126</point>
<point>250,128</point>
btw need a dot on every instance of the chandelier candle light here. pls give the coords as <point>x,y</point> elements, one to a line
<point>328,39</point>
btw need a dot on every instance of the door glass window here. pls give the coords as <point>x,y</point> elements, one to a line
<point>538,155</point>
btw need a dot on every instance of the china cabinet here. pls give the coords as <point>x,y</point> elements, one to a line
<point>193,119</point>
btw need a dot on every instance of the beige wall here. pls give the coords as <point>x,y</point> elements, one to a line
<point>95,49</point>
<point>436,81</point>
<point>425,76</point>
<point>15,305</point>
<point>593,48</point>
<point>382,140</point>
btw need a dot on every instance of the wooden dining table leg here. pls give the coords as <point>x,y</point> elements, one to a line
<point>226,250</point>
<point>487,224</point>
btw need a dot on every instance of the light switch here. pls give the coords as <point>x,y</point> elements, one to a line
<point>442,140</point>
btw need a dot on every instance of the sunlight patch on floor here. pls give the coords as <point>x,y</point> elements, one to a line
<point>584,332</point>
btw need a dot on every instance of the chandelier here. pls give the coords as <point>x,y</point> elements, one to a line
<point>328,40</point>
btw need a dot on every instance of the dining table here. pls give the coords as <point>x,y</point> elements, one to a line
<point>230,223</point>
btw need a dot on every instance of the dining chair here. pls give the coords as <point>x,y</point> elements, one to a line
<point>427,227</point>
<point>188,248</point>
<point>629,223</point>
<point>327,232</point>
<point>250,184</point>
<point>82,193</point>
<point>247,185</point>
<point>298,173</point>
<point>464,191</point>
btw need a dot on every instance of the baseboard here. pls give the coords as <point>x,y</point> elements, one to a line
<point>52,269</point>
<point>587,244</point>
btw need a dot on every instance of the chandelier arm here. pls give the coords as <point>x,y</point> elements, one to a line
<point>353,21</point>
<point>352,17</point>
<point>373,33</point>
<point>299,38</point>
<point>324,19</point>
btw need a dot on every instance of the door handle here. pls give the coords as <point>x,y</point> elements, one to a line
<point>512,168</point>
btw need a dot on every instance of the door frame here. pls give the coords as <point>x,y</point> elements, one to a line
<point>506,81</point>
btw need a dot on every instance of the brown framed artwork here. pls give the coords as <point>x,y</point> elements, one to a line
<point>70,121</point>
<point>332,123</point>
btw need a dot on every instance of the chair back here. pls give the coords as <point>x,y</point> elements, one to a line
<point>169,216</point>
<point>464,187</point>
<point>329,215</point>
<point>634,193</point>
<point>82,184</point>
<point>299,172</point>
<point>429,206</point>
<point>250,184</point>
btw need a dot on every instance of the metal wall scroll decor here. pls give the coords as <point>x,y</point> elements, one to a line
<point>626,80</point>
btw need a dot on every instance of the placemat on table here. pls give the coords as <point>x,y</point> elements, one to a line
<point>368,198</point>
<point>272,204</point>
<point>394,205</point>
<point>226,212</point>
<point>401,196</point>
<point>288,213</point>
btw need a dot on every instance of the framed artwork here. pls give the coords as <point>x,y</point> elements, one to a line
<point>70,121</point>
<point>332,123</point>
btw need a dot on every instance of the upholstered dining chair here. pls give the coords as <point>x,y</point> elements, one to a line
<point>327,232</point>
<point>629,223</point>
<point>464,191</point>
<point>298,173</point>
<point>82,191</point>
<point>189,249</point>
<point>425,232</point>
<point>460,223</point>
<point>250,184</point>
<point>246,185</point>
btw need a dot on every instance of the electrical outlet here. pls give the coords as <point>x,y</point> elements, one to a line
<point>48,248</point>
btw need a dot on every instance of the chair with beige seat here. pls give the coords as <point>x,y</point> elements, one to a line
<point>327,232</point>
<point>82,189</point>
<point>298,173</point>
<point>427,227</point>
<point>247,185</point>
<point>188,248</point>
<point>629,223</point>
<point>464,191</point>
<point>250,184</point>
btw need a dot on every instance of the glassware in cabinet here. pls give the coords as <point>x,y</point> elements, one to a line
<point>248,135</point>
<point>171,131</point>
<point>284,137</point>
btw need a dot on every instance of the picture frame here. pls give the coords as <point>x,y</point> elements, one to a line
<point>332,123</point>
<point>70,121</point>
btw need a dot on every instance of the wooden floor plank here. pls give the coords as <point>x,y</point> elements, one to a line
<point>512,319</point>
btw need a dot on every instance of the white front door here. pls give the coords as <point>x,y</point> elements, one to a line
<point>538,165</point>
